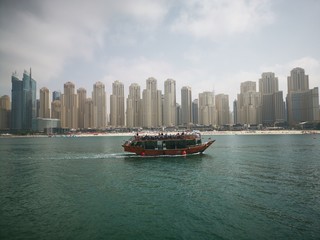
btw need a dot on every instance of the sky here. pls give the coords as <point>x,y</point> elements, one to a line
<point>209,45</point>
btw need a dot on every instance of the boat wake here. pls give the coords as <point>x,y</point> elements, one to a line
<point>95,156</point>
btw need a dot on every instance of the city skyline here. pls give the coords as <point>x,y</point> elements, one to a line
<point>156,109</point>
<point>161,87</point>
<point>207,45</point>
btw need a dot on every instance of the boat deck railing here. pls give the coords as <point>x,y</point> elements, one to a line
<point>161,137</point>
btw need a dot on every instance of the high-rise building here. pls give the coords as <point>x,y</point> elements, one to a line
<point>169,103</point>
<point>44,111</point>
<point>23,105</point>
<point>207,110</point>
<point>235,112</point>
<point>298,80</point>
<point>56,95</point>
<point>56,109</point>
<point>151,104</point>
<point>249,104</point>
<point>82,96</point>
<point>273,106</point>
<point>88,114</point>
<point>16,103</point>
<point>302,102</point>
<point>268,83</point>
<point>99,105</point>
<point>178,114</point>
<point>186,106</point>
<point>195,111</point>
<point>5,110</point>
<point>69,103</point>
<point>134,106</point>
<point>117,117</point>
<point>222,107</point>
<point>37,108</point>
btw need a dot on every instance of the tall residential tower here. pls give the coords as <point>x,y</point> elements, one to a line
<point>207,111</point>
<point>134,106</point>
<point>186,106</point>
<point>117,117</point>
<point>5,110</point>
<point>151,105</point>
<point>222,107</point>
<point>69,107</point>
<point>44,103</point>
<point>169,103</point>
<point>249,104</point>
<point>273,106</point>
<point>82,96</point>
<point>302,102</point>
<point>99,105</point>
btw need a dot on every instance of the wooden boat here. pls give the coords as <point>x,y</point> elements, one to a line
<point>167,144</point>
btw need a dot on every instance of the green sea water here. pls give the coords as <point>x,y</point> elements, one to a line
<point>243,187</point>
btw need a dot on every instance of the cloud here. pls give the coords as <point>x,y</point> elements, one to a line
<point>46,39</point>
<point>137,70</point>
<point>213,18</point>
<point>48,35</point>
<point>144,10</point>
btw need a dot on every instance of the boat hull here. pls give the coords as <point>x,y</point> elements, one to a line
<point>159,152</point>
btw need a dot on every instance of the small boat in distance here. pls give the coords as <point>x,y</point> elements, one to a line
<point>167,144</point>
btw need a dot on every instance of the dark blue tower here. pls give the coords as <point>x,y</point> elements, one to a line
<point>23,106</point>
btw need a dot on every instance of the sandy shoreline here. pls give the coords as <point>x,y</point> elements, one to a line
<point>206,133</point>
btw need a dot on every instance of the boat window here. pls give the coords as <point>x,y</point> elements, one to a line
<point>151,145</point>
<point>191,142</point>
<point>181,144</point>
<point>170,144</point>
<point>138,144</point>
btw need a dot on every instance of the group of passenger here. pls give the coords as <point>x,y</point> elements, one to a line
<point>162,136</point>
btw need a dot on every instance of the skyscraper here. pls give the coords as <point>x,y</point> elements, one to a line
<point>268,83</point>
<point>88,114</point>
<point>23,105</point>
<point>186,106</point>
<point>44,103</point>
<point>273,106</point>
<point>56,109</point>
<point>69,103</point>
<point>207,110</point>
<point>99,105</point>
<point>133,112</point>
<point>16,103</point>
<point>249,104</point>
<point>222,107</point>
<point>302,102</point>
<point>5,110</point>
<point>169,105</point>
<point>56,95</point>
<point>117,105</point>
<point>195,111</point>
<point>151,104</point>
<point>178,114</point>
<point>235,112</point>
<point>82,96</point>
<point>298,80</point>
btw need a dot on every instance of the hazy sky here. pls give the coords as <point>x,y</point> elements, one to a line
<point>207,45</point>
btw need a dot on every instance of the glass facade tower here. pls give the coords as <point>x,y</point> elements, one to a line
<point>23,106</point>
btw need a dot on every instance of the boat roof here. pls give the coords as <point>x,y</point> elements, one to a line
<point>165,136</point>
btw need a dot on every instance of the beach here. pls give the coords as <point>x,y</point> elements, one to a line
<point>204,133</point>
